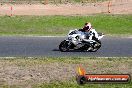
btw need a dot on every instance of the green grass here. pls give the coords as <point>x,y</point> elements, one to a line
<point>60,25</point>
<point>75,85</point>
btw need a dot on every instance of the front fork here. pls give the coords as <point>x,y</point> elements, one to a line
<point>69,45</point>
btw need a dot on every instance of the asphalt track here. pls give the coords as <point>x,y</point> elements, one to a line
<point>48,46</point>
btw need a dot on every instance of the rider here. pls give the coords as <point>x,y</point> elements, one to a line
<point>90,34</point>
<point>89,31</point>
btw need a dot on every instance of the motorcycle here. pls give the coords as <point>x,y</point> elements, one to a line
<point>76,40</point>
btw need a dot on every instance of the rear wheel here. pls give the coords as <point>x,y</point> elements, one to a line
<point>96,46</point>
<point>63,47</point>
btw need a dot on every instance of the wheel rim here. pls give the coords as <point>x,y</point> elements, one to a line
<point>96,47</point>
<point>63,47</point>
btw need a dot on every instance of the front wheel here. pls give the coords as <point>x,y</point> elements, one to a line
<point>63,47</point>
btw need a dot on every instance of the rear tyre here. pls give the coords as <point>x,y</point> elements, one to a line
<point>63,47</point>
<point>96,46</point>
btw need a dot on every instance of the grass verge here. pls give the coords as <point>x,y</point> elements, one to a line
<point>60,25</point>
<point>74,85</point>
<point>47,72</point>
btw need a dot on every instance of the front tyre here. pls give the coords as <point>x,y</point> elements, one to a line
<point>63,47</point>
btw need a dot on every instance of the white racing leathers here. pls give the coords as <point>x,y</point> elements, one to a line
<point>89,35</point>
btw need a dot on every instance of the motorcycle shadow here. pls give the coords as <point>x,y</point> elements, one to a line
<point>72,50</point>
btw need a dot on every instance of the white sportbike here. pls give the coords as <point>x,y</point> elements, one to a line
<point>76,40</point>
